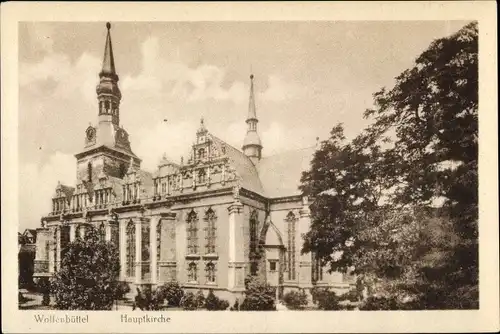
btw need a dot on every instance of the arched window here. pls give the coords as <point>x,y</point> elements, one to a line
<point>192,233</point>
<point>254,223</point>
<point>210,231</point>
<point>130,248</point>
<point>210,272</point>
<point>290,223</point>
<point>192,272</point>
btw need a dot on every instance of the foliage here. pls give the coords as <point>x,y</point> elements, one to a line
<point>351,295</point>
<point>172,292</point>
<point>88,277</point>
<point>122,288</point>
<point>43,286</point>
<point>149,300</point>
<point>189,302</point>
<point>259,296</point>
<point>200,299</point>
<point>376,198</point>
<point>236,306</point>
<point>325,299</point>
<point>214,303</point>
<point>295,300</point>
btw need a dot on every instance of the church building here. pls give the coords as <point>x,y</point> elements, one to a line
<point>221,214</point>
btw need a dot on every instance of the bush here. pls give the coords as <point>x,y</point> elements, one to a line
<point>122,289</point>
<point>188,302</point>
<point>236,306</point>
<point>258,296</point>
<point>352,296</point>
<point>147,300</point>
<point>380,303</point>
<point>295,300</point>
<point>326,299</point>
<point>200,299</point>
<point>172,292</point>
<point>43,286</point>
<point>214,303</point>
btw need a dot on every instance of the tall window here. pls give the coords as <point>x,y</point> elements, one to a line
<point>201,176</point>
<point>130,248</point>
<point>145,250</point>
<point>192,233</point>
<point>192,272</point>
<point>290,222</point>
<point>210,272</point>
<point>102,232</point>
<point>210,231</point>
<point>89,171</point>
<point>253,242</point>
<point>158,241</point>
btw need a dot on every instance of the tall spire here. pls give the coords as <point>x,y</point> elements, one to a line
<point>108,93</point>
<point>108,63</point>
<point>252,146</point>
<point>251,102</point>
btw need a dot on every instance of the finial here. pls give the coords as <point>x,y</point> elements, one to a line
<point>202,121</point>
<point>108,25</point>
<point>251,76</point>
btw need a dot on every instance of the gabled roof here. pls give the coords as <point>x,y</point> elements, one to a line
<point>243,166</point>
<point>280,174</point>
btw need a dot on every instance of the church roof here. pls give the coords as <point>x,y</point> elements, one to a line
<point>280,174</point>
<point>244,167</point>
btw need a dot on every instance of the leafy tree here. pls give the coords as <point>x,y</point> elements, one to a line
<point>295,300</point>
<point>374,196</point>
<point>88,278</point>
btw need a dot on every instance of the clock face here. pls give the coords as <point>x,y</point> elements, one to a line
<point>90,133</point>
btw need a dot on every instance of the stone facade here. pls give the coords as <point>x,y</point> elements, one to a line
<point>220,215</point>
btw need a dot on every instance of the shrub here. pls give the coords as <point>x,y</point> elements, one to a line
<point>147,300</point>
<point>379,303</point>
<point>295,300</point>
<point>43,286</point>
<point>236,306</point>
<point>214,303</point>
<point>326,299</point>
<point>122,289</point>
<point>258,296</point>
<point>200,299</point>
<point>188,301</point>
<point>352,296</point>
<point>172,292</point>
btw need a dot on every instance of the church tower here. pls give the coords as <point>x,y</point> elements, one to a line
<point>252,146</point>
<point>107,150</point>
<point>108,93</point>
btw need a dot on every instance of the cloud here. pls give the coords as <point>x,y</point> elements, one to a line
<point>173,139</point>
<point>64,79</point>
<point>279,90</point>
<point>277,138</point>
<point>37,184</point>
<point>164,77</point>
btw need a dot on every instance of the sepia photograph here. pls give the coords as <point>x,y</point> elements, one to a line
<point>237,166</point>
<point>181,170</point>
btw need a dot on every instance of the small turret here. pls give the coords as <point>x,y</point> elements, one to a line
<point>252,145</point>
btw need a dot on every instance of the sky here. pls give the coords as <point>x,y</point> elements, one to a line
<point>309,76</point>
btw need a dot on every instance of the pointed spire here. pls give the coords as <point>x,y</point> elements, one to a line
<point>251,102</point>
<point>108,63</point>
